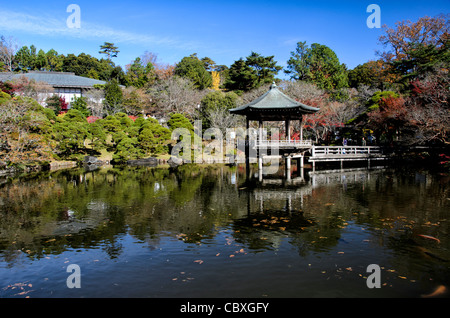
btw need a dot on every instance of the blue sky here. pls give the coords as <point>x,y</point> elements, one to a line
<point>223,30</point>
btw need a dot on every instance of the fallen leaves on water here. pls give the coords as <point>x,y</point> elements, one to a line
<point>181,236</point>
<point>429,237</point>
<point>199,261</point>
<point>439,291</point>
<point>21,287</point>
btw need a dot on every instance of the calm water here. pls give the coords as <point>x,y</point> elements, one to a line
<point>208,231</point>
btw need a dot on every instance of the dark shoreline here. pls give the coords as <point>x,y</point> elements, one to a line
<point>430,158</point>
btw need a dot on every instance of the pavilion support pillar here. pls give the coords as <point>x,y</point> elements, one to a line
<point>288,168</point>
<point>247,142</point>
<point>288,130</point>
<point>247,149</point>
<point>259,150</point>
<point>301,128</point>
<point>260,132</point>
<point>301,161</point>
<point>260,170</point>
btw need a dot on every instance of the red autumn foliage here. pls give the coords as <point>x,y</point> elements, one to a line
<point>7,88</point>
<point>92,119</point>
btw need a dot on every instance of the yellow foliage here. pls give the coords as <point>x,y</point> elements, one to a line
<point>215,80</point>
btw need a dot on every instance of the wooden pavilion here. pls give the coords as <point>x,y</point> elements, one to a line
<point>274,105</point>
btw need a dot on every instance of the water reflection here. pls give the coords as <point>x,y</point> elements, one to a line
<point>364,216</point>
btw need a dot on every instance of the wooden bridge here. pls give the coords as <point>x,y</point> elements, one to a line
<point>304,149</point>
<point>345,153</point>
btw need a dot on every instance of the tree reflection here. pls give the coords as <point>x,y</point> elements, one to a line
<point>77,209</point>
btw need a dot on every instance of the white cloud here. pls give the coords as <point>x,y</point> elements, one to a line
<point>48,26</point>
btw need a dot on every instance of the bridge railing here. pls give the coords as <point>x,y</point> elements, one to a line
<point>283,143</point>
<point>323,151</point>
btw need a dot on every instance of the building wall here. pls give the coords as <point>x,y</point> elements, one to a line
<point>70,94</point>
<point>95,100</point>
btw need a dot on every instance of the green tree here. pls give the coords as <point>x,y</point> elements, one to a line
<point>54,103</point>
<point>138,74</point>
<point>92,73</point>
<point>71,132</point>
<point>254,72</point>
<point>194,69</point>
<point>363,74</point>
<point>209,64</point>
<point>127,149</point>
<point>421,59</point>
<point>81,104</point>
<point>240,77</point>
<point>54,61</point>
<point>24,59</point>
<point>153,138</point>
<point>317,64</point>
<point>97,135</point>
<point>89,66</point>
<point>265,68</point>
<point>179,121</point>
<point>111,124</point>
<point>113,97</point>
<point>41,60</point>
<point>214,101</point>
<point>109,50</point>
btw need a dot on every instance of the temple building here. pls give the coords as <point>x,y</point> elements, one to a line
<point>67,85</point>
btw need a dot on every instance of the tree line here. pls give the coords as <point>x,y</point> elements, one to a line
<point>400,98</point>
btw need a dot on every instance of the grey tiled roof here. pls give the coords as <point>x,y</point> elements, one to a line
<point>273,100</point>
<point>55,79</point>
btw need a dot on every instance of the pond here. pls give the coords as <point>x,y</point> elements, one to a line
<point>217,231</point>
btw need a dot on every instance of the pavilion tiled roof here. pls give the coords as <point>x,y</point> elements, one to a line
<point>273,103</point>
